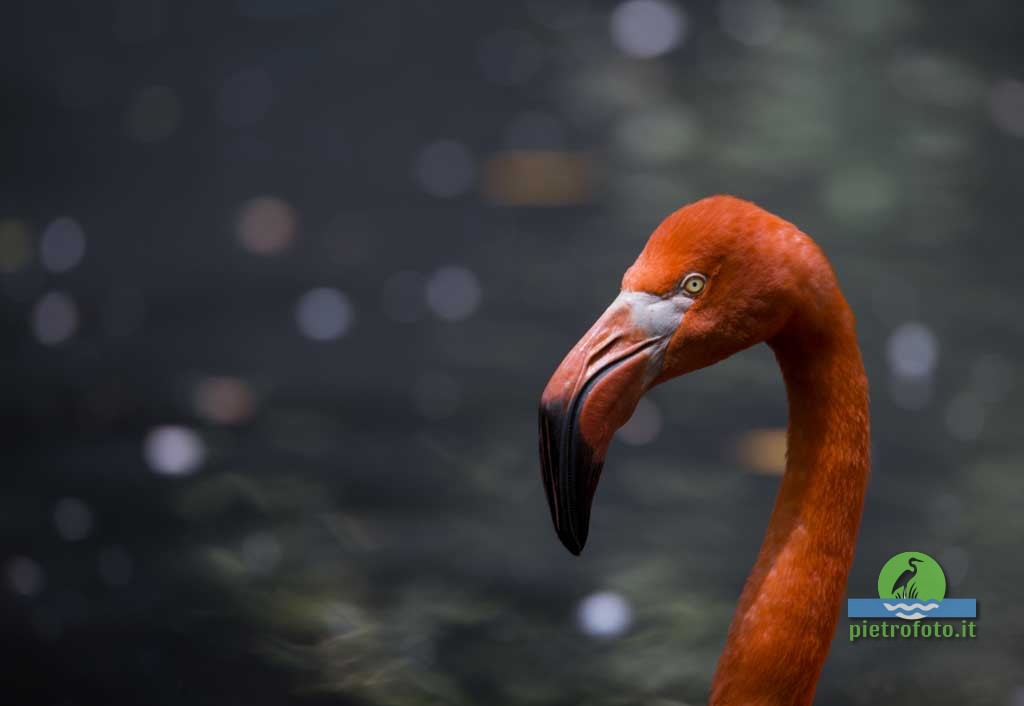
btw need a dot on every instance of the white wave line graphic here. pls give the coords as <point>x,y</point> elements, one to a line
<point>912,616</point>
<point>913,606</point>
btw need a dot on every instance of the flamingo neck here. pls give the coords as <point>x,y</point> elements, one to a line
<point>786,617</point>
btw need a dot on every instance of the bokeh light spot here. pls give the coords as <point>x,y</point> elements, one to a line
<point>267,225</point>
<point>62,245</point>
<point>604,614</point>
<point>154,114</point>
<point>644,426</point>
<point>1006,106</point>
<point>453,293</point>
<point>763,451</point>
<point>174,450</point>
<point>445,168</point>
<point>54,318</point>
<point>324,314</point>
<point>224,400</point>
<point>72,519</point>
<point>15,245</point>
<point>644,29</point>
<point>24,576</point>
<point>912,350</point>
<point>538,178</point>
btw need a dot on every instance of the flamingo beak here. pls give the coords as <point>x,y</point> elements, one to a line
<point>594,392</point>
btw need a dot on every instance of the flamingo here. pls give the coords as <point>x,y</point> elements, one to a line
<point>716,277</point>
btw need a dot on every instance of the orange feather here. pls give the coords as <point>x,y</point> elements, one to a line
<point>766,281</point>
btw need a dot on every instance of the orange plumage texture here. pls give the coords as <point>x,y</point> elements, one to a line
<point>766,282</point>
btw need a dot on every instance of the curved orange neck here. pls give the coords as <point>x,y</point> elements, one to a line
<point>783,626</point>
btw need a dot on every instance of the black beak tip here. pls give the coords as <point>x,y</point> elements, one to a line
<point>574,547</point>
<point>574,532</point>
<point>568,501</point>
<point>571,542</point>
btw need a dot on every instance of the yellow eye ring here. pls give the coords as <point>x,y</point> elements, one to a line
<point>694,283</point>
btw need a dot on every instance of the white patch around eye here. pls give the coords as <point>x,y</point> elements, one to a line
<point>658,316</point>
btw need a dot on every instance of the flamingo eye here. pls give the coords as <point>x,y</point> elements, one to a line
<point>694,283</point>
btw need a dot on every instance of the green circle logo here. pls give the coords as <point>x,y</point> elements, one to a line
<point>912,576</point>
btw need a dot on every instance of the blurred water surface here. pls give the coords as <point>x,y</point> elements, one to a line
<point>281,283</point>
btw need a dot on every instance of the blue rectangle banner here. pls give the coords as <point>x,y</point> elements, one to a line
<point>912,609</point>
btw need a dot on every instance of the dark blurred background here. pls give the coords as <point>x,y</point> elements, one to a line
<point>281,282</point>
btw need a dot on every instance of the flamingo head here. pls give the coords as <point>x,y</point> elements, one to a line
<point>715,277</point>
